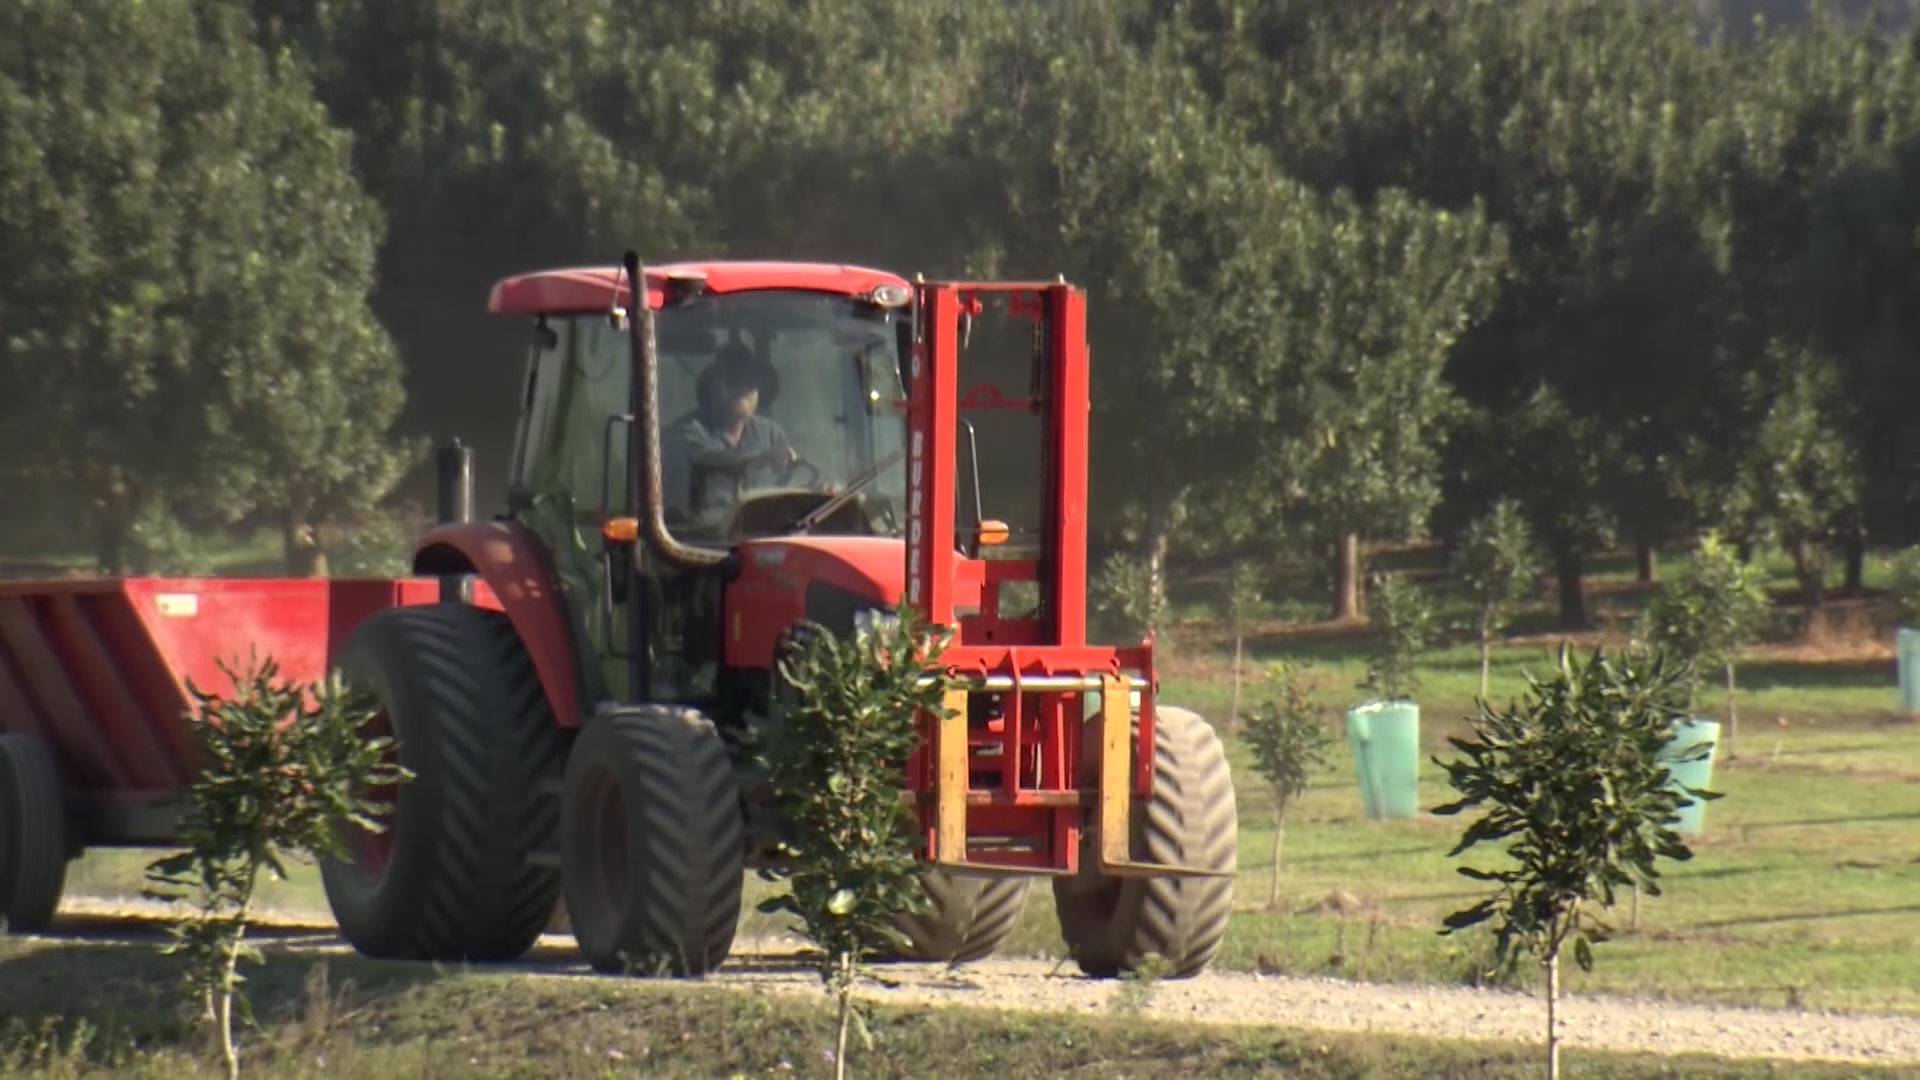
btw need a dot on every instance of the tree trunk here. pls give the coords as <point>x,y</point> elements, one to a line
<point>1856,560</point>
<point>1646,562</point>
<point>1233,704</point>
<point>1810,567</point>
<point>1346,578</point>
<point>1486,647</point>
<point>1733,712</point>
<point>1553,1016</point>
<point>300,547</point>
<point>1279,839</point>
<point>1568,568</point>
<point>1155,545</point>
<point>110,542</point>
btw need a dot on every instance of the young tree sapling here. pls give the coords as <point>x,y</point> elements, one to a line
<point>1289,739</point>
<point>1402,617</point>
<point>848,715</point>
<point>1573,777</point>
<point>1496,562</point>
<point>1706,615</point>
<point>1242,603</point>
<point>285,768</point>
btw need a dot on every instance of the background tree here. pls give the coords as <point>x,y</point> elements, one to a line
<point>1495,563</point>
<point>177,348</point>
<point>1378,295</point>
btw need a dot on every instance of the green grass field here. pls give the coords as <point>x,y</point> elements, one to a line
<point>1805,888</point>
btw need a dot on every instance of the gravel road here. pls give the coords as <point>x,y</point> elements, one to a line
<point>1235,998</point>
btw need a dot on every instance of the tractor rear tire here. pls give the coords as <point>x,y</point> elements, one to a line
<point>1112,924</point>
<point>450,879</point>
<point>968,917</point>
<point>653,843</point>
<point>33,835</point>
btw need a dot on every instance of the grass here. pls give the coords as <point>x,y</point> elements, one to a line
<point>1805,889</point>
<point>72,1011</point>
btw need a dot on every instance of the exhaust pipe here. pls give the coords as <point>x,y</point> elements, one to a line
<point>453,504</point>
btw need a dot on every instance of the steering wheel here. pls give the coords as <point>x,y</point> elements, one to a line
<point>795,465</point>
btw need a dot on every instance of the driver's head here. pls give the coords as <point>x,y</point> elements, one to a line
<point>730,387</point>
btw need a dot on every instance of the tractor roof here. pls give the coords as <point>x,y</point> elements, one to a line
<point>594,288</point>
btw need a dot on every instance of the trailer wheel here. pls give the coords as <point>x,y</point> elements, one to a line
<point>653,843</point>
<point>968,917</point>
<point>1111,924</point>
<point>450,878</point>
<point>33,835</point>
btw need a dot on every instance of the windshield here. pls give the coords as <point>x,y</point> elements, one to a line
<point>770,402</point>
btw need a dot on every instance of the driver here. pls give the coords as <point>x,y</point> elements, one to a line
<point>726,444</point>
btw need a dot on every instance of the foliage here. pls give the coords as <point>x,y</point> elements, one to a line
<point>1904,586</point>
<point>1496,563</point>
<point>1402,623</point>
<point>1708,612</point>
<point>1289,739</point>
<point>284,768</point>
<point>186,277</point>
<point>1574,778</point>
<point>1243,598</point>
<point>849,716</point>
<point>375,543</point>
<point>1640,281</point>
<point>1123,606</point>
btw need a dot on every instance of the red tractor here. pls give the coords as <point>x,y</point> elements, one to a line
<point>709,458</point>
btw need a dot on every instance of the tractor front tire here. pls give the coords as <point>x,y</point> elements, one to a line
<point>450,877</point>
<point>1112,924</point>
<point>653,843</point>
<point>33,835</point>
<point>967,917</point>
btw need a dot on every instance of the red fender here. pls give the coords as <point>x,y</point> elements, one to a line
<point>510,560</point>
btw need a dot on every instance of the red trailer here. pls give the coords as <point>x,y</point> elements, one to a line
<point>712,461</point>
<point>95,735</point>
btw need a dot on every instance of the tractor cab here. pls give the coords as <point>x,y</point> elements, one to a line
<point>771,410</point>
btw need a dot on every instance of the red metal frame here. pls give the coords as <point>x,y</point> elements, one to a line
<point>99,668</point>
<point>1032,819</point>
<point>511,561</point>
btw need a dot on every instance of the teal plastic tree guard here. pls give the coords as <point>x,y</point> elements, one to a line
<point>1687,736</point>
<point>1906,645</point>
<point>1385,737</point>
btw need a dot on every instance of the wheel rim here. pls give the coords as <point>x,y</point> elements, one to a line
<point>599,905</point>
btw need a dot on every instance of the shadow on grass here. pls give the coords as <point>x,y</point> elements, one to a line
<point>127,996</point>
<point>1806,916</point>
<point>1852,819</point>
<point>1816,676</point>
